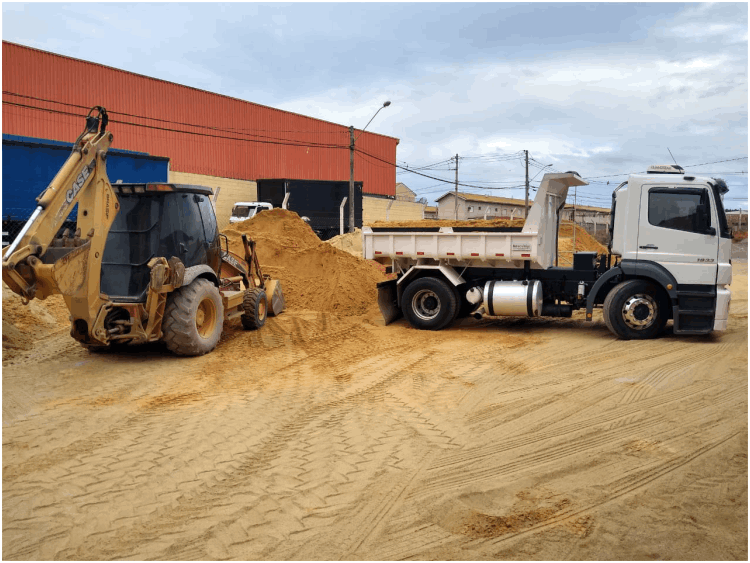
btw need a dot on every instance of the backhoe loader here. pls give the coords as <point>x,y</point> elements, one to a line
<point>145,263</point>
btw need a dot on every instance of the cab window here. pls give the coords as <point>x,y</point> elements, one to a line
<point>684,209</point>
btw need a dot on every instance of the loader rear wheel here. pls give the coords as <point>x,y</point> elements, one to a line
<point>255,306</point>
<point>635,310</point>
<point>193,319</point>
<point>429,304</point>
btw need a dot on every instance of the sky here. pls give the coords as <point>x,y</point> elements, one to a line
<point>604,89</point>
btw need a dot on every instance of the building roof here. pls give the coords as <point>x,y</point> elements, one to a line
<point>588,208</point>
<point>510,201</point>
<point>484,198</point>
<point>402,186</point>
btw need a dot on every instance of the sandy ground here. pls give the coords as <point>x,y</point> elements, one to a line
<point>325,437</point>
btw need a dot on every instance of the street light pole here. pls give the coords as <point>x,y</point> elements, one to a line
<point>351,165</point>
<point>351,178</point>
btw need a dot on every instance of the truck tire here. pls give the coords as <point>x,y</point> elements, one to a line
<point>429,304</point>
<point>193,319</point>
<point>635,310</point>
<point>255,306</point>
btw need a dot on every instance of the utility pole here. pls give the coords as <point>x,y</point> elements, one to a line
<point>526,214</point>
<point>351,165</point>
<point>455,210</point>
<point>351,178</point>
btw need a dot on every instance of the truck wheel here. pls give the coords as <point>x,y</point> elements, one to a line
<point>193,319</point>
<point>429,304</point>
<point>635,309</point>
<point>255,306</point>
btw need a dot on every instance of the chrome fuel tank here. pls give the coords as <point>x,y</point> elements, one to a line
<point>513,298</point>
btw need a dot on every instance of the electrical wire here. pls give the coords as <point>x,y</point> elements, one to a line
<point>286,142</point>
<point>292,142</point>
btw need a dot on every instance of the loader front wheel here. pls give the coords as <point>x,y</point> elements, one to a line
<point>193,319</point>
<point>255,306</point>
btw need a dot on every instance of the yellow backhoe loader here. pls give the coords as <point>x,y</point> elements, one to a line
<point>145,262</point>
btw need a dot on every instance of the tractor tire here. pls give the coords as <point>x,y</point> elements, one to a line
<point>636,310</point>
<point>193,319</point>
<point>429,304</point>
<point>255,306</point>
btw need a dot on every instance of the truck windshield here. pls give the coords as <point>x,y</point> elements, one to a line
<point>243,211</point>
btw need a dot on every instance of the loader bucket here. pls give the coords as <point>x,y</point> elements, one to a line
<point>275,297</point>
<point>388,301</point>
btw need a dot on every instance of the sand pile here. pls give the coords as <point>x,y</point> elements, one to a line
<point>349,242</point>
<point>24,325</point>
<point>314,275</point>
<point>484,223</point>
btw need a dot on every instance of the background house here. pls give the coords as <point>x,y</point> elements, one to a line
<point>475,206</point>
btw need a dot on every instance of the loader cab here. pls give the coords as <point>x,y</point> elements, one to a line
<point>157,220</point>
<point>674,220</point>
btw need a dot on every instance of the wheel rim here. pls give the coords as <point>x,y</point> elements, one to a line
<point>426,304</point>
<point>639,311</point>
<point>205,318</point>
<point>262,309</point>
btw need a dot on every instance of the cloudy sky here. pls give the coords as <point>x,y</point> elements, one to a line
<point>604,89</point>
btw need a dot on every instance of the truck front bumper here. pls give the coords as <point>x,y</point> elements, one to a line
<point>723,299</point>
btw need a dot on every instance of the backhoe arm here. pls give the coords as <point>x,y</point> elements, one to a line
<point>37,264</point>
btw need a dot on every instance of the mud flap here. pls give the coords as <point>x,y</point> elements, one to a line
<point>388,301</point>
<point>275,297</point>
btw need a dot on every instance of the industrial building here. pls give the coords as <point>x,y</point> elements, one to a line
<point>188,135</point>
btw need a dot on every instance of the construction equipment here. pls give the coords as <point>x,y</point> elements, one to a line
<point>150,264</point>
<point>669,258</point>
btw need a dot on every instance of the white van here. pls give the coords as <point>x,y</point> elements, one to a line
<point>244,210</point>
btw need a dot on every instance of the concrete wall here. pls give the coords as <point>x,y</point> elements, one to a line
<point>231,191</point>
<point>374,209</point>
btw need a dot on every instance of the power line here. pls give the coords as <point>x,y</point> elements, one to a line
<point>229,129</point>
<point>289,142</point>
<point>292,142</point>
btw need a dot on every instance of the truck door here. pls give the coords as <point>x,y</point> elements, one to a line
<point>678,229</point>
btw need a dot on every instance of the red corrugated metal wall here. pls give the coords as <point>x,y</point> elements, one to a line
<point>201,132</point>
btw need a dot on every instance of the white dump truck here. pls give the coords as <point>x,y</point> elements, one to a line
<point>669,258</point>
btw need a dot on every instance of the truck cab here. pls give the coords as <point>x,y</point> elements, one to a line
<point>672,225</point>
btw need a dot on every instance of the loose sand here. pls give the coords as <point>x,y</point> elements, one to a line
<point>327,435</point>
<point>348,242</point>
<point>314,275</point>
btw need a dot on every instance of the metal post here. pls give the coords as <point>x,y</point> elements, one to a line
<point>455,211</point>
<point>526,213</point>
<point>388,209</point>
<point>351,179</point>
<point>575,202</point>
<point>341,216</point>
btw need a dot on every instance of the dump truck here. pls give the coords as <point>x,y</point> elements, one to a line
<point>145,262</point>
<point>669,257</point>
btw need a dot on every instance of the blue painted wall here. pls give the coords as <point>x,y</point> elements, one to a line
<point>30,164</point>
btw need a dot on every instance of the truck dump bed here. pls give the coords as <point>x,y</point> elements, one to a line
<point>492,247</point>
